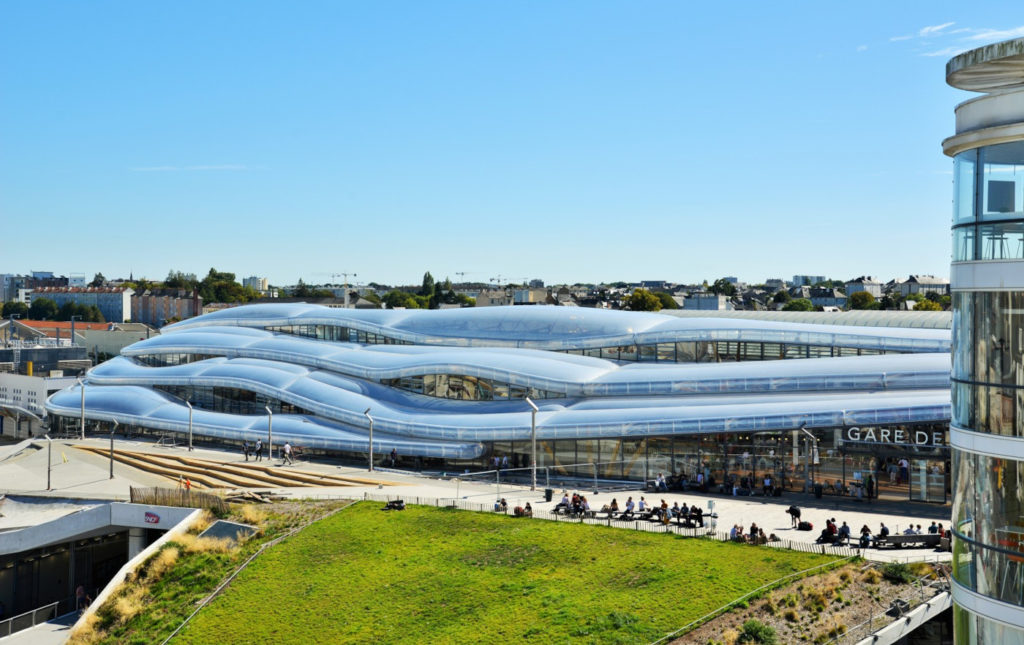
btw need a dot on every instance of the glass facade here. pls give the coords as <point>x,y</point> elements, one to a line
<point>972,628</point>
<point>231,400</point>
<point>988,203</point>
<point>467,388</point>
<point>718,352</point>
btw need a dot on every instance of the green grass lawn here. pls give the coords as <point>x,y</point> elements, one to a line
<point>443,576</point>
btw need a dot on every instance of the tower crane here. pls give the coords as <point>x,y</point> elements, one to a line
<point>344,274</point>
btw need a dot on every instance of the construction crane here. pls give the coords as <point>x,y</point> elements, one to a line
<point>344,274</point>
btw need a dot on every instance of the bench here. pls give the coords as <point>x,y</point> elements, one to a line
<point>899,541</point>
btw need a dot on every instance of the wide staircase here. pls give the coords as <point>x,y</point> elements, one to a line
<point>207,473</point>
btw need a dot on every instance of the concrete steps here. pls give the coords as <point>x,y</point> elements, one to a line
<point>207,473</point>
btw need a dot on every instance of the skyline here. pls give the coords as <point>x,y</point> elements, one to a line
<point>561,143</point>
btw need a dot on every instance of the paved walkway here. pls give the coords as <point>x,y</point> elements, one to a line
<point>77,473</point>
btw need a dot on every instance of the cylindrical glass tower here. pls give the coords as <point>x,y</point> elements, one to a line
<point>987,280</point>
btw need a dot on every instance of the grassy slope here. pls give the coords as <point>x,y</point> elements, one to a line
<point>436,575</point>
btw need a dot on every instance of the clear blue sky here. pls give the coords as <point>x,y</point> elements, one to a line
<point>570,141</point>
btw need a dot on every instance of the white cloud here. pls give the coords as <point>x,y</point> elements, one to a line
<point>154,169</point>
<point>933,29</point>
<point>898,38</point>
<point>995,35</point>
<point>947,51</point>
<point>862,48</point>
<point>218,167</point>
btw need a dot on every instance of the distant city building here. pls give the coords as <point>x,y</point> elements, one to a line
<point>923,284</point>
<point>22,399</point>
<point>807,280</point>
<point>157,307</point>
<point>731,279</point>
<point>257,283</point>
<point>864,283</point>
<point>14,286</point>
<point>76,280</point>
<point>708,302</point>
<point>115,303</point>
<point>653,284</point>
<point>775,284</point>
<point>492,298</point>
<point>531,297</point>
<point>536,283</point>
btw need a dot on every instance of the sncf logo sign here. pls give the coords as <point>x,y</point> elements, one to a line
<point>152,518</point>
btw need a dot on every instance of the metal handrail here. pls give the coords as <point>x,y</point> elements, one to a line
<point>7,624</point>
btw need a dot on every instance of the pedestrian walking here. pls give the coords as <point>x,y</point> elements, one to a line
<point>287,453</point>
<point>245,449</point>
<point>259,450</point>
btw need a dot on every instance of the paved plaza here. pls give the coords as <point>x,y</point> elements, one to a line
<point>77,473</point>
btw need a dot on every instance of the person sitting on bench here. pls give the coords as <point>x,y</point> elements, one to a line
<point>611,508</point>
<point>882,534</point>
<point>562,505</point>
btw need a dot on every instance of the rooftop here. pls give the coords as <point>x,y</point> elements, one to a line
<point>999,66</point>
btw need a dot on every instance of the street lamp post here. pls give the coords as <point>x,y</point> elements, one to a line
<point>189,404</point>
<point>81,386</point>
<point>533,443</point>
<point>270,432</point>
<point>73,318</point>
<point>49,460</point>
<point>112,428</point>
<point>366,413</point>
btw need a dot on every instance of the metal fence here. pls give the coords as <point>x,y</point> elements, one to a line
<point>178,497</point>
<point>28,619</point>
<point>916,593</point>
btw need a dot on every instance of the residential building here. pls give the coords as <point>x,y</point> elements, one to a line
<point>708,302</point>
<point>22,401</point>
<point>492,298</point>
<point>987,282</point>
<point>924,284</point>
<point>257,283</point>
<point>807,280</point>
<point>157,307</point>
<point>531,297</point>
<point>775,284</point>
<point>864,283</point>
<point>115,303</point>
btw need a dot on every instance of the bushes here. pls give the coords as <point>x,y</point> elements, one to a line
<point>897,573</point>
<point>754,631</point>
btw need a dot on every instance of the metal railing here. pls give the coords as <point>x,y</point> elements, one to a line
<point>28,619</point>
<point>917,592</point>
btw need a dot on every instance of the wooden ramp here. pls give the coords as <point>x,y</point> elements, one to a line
<point>208,473</point>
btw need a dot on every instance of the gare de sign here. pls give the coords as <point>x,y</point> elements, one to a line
<point>902,436</point>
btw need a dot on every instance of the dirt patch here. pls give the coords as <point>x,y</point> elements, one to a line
<point>818,609</point>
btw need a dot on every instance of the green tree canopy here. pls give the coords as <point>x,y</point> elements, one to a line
<point>799,304</point>
<point>427,289</point>
<point>781,296</point>
<point>643,300</point>
<point>862,300</point>
<point>98,280</point>
<point>179,280</point>
<point>219,286</point>
<point>42,309</point>
<point>395,299</point>
<point>15,308</point>
<point>723,287</point>
<point>927,305</point>
<point>667,302</point>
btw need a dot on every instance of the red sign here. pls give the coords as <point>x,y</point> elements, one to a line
<point>152,518</point>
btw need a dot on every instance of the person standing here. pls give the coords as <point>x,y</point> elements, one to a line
<point>259,450</point>
<point>394,457</point>
<point>245,448</point>
<point>287,453</point>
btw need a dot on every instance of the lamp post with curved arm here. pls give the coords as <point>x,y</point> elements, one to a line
<point>369,453</point>
<point>533,443</point>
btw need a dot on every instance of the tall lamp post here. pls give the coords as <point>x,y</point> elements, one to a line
<point>73,318</point>
<point>49,460</point>
<point>366,413</point>
<point>81,386</point>
<point>533,443</point>
<point>812,444</point>
<point>189,404</point>
<point>270,432</point>
<point>112,428</point>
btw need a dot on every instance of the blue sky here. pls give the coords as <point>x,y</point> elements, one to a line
<point>572,141</point>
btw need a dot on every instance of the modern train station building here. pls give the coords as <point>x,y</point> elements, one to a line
<point>619,395</point>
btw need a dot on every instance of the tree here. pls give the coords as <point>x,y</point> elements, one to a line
<point>643,300</point>
<point>927,305</point>
<point>179,280</point>
<point>15,308</point>
<point>781,297</point>
<point>42,309</point>
<point>799,304</point>
<point>427,289</point>
<point>667,302</point>
<point>395,299</point>
<point>862,300</point>
<point>98,280</point>
<point>723,287</point>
